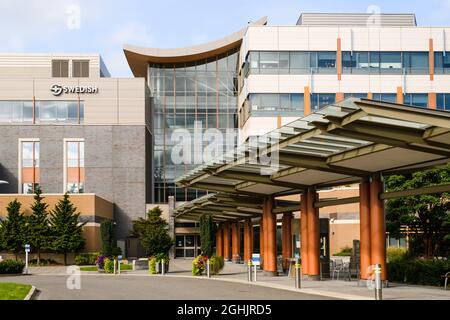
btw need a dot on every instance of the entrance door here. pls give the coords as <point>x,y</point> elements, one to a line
<point>187,246</point>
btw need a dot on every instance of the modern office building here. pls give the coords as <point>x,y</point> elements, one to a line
<point>271,75</point>
<point>67,126</point>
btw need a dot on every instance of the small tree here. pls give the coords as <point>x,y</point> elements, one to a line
<point>426,216</point>
<point>13,229</point>
<point>38,228</point>
<point>153,233</point>
<point>108,239</point>
<point>207,235</point>
<point>67,231</point>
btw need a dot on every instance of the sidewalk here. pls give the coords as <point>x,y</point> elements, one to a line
<point>330,288</point>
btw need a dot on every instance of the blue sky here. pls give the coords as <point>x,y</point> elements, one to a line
<point>105,25</point>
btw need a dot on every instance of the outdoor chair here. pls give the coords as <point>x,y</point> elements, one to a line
<point>337,267</point>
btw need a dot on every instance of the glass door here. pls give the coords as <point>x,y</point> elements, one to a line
<point>187,246</point>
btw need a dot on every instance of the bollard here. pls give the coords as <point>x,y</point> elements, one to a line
<point>378,285</point>
<point>163,267</point>
<point>255,268</point>
<point>118,265</point>
<point>298,277</point>
<point>249,270</point>
<point>115,262</point>
<point>208,268</point>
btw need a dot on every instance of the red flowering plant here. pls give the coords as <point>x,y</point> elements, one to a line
<point>199,265</point>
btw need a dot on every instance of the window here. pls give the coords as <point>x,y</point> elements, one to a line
<point>299,62</point>
<point>74,166</point>
<point>320,100</point>
<point>60,111</point>
<point>80,68</point>
<point>324,60</point>
<point>387,97</point>
<point>416,99</point>
<point>443,101</point>
<point>391,61</point>
<point>441,63</point>
<point>29,166</point>
<point>415,62</point>
<point>268,62</point>
<point>16,111</point>
<point>355,95</point>
<point>60,68</point>
<point>267,104</point>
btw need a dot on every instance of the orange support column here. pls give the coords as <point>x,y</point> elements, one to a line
<point>226,241</point>
<point>306,101</point>
<point>339,59</point>
<point>399,95</point>
<point>364,229</point>
<point>339,96</point>
<point>313,236</point>
<point>304,233</point>
<point>377,226</point>
<point>219,241</point>
<point>286,239</point>
<point>248,240</point>
<point>432,100</point>
<point>261,240</point>
<point>369,95</point>
<point>235,242</point>
<point>270,263</point>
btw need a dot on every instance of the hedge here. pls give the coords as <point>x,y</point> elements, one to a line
<point>86,259</point>
<point>406,269</point>
<point>11,267</point>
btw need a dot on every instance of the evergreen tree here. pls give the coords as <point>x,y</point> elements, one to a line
<point>153,233</point>
<point>38,229</point>
<point>108,241</point>
<point>13,229</point>
<point>67,231</point>
<point>207,234</point>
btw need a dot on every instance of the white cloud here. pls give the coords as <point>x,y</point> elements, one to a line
<point>130,33</point>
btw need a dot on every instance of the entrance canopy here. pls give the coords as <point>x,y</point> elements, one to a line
<point>340,144</point>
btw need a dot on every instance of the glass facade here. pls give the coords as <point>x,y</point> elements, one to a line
<point>443,101</point>
<point>319,100</point>
<point>29,112</point>
<point>285,104</point>
<point>182,95</point>
<point>290,62</point>
<point>416,99</point>
<point>356,62</point>
<point>441,63</point>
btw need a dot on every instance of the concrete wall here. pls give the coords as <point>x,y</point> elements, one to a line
<point>114,163</point>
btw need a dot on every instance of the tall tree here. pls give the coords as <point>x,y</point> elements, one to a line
<point>67,231</point>
<point>207,234</point>
<point>153,233</point>
<point>13,229</point>
<point>427,217</point>
<point>38,228</point>
<point>108,239</point>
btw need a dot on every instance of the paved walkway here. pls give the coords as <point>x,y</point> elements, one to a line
<point>237,273</point>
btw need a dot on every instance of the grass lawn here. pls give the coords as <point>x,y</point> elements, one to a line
<point>13,291</point>
<point>123,267</point>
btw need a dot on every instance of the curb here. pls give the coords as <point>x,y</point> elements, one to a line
<point>31,293</point>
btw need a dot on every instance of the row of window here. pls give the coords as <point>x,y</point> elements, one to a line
<point>268,104</point>
<point>41,111</point>
<point>80,68</point>
<point>29,166</point>
<point>359,62</point>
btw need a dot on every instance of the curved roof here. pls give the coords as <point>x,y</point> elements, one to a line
<point>139,57</point>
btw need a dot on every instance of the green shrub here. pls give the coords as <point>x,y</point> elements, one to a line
<point>396,254</point>
<point>216,264</point>
<point>11,267</point>
<point>345,252</point>
<point>162,256</point>
<point>86,259</point>
<point>418,271</point>
<point>152,265</point>
<point>109,265</point>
